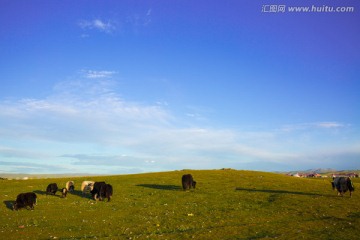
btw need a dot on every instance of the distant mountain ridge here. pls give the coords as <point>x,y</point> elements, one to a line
<point>40,176</point>
<point>321,170</point>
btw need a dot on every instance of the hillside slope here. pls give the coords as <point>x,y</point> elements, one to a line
<point>226,204</point>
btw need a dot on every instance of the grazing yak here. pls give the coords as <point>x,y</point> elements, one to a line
<point>70,186</point>
<point>87,186</point>
<point>51,189</point>
<point>342,185</point>
<point>25,200</point>
<point>95,192</point>
<point>64,192</point>
<point>188,181</point>
<point>106,191</point>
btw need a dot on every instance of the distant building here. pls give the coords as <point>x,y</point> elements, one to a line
<point>314,175</point>
<point>353,175</point>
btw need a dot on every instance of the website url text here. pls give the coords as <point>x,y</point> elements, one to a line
<point>308,9</point>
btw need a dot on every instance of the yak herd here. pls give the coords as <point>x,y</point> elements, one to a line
<point>102,190</point>
<point>98,191</point>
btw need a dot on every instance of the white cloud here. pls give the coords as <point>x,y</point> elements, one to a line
<point>314,125</point>
<point>148,13</point>
<point>133,22</point>
<point>329,125</point>
<point>98,74</point>
<point>97,24</point>
<point>137,21</point>
<point>100,24</point>
<point>86,123</point>
<point>8,152</point>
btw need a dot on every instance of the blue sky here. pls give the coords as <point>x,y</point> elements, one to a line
<point>113,87</point>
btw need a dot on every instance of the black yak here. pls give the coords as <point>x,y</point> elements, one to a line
<point>188,181</point>
<point>342,185</point>
<point>95,192</point>
<point>25,200</point>
<point>51,189</point>
<point>106,191</point>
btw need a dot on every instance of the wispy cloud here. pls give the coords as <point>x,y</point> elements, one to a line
<point>97,24</point>
<point>136,21</point>
<point>133,22</point>
<point>85,123</point>
<point>329,125</point>
<point>148,13</point>
<point>314,125</point>
<point>98,74</point>
<point>34,167</point>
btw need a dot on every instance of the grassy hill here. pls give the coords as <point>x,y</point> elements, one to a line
<point>226,204</point>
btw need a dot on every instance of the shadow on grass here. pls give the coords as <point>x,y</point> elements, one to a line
<point>9,204</point>
<point>80,194</point>
<point>40,192</point>
<point>77,193</point>
<point>282,192</point>
<point>160,187</point>
<point>74,192</point>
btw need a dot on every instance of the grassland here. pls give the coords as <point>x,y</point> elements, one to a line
<point>226,204</point>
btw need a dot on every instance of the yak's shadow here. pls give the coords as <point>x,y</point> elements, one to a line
<point>58,193</point>
<point>9,204</point>
<point>40,192</point>
<point>76,193</point>
<point>282,192</point>
<point>160,187</point>
<point>80,194</point>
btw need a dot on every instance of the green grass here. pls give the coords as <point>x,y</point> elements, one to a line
<point>226,204</point>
